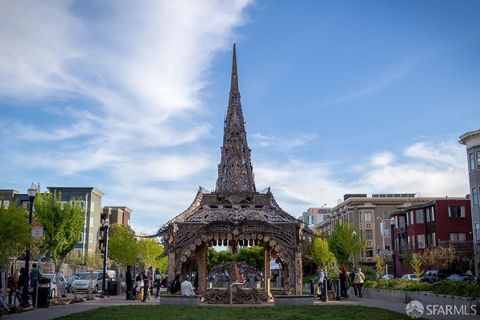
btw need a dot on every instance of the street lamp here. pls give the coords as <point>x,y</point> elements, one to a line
<point>106,224</point>
<point>392,235</point>
<point>32,192</point>
<point>354,235</point>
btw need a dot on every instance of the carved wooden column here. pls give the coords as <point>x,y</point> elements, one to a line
<point>286,279</point>
<point>171,266</point>
<point>202,268</point>
<point>266,270</point>
<point>298,271</point>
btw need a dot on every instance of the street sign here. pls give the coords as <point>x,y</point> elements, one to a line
<point>37,230</point>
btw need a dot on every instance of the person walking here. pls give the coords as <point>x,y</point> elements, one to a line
<point>358,281</point>
<point>351,277</point>
<point>128,282</point>
<point>343,283</point>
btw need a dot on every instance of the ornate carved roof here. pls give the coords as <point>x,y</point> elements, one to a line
<point>235,172</point>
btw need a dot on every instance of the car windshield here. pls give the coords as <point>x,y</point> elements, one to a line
<point>84,276</point>
<point>413,276</point>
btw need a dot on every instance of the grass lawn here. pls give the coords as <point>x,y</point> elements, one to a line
<point>240,313</point>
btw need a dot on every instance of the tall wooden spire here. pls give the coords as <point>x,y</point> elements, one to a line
<point>235,172</point>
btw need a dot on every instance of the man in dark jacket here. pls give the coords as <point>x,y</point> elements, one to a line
<point>128,280</point>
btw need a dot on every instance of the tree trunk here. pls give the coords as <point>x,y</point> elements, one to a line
<point>57,275</point>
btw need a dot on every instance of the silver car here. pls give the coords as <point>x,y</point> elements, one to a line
<point>53,284</point>
<point>86,280</point>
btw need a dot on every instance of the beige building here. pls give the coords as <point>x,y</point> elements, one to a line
<point>368,214</point>
<point>117,214</point>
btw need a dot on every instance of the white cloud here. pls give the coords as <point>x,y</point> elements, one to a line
<point>429,169</point>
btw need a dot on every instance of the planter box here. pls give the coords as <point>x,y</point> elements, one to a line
<point>294,300</point>
<point>179,300</point>
<point>424,296</point>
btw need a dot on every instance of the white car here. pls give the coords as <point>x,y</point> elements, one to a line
<point>53,284</point>
<point>85,280</point>
<point>410,276</point>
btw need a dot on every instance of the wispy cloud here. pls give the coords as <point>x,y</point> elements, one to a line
<point>130,85</point>
<point>282,143</point>
<point>378,83</point>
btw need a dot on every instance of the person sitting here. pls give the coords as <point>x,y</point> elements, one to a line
<point>175,285</point>
<point>187,287</point>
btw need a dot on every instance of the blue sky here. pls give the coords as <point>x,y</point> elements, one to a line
<point>338,96</point>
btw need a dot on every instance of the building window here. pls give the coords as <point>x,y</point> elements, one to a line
<point>369,253</point>
<point>401,221</point>
<point>419,216</point>
<point>386,232</point>
<point>386,214</point>
<point>368,234</point>
<point>477,231</point>
<point>6,203</point>
<point>471,161</point>
<point>421,241</point>
<point>478,160</point>
<point>475,196</point>
<point>458,236</point>
<point>366,215</point>
<point>82,205</point>
<point>456,211</point>
<point>433,214</point>
<point>411,218</point>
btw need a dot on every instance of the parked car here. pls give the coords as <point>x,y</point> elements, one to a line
<point>433,275</point>
<point>388,277</point>
<point>53,284</point>
<point>70,281</point>
<point>461,278</point>
<point>83,282</point>
<point>410,276</point>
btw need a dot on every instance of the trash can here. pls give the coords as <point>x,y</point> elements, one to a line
<point>43,299</point>
<point>112,287</point>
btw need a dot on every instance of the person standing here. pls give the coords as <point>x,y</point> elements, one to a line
<point>358,281</point>
<point>35,276</point>
<point>128,282</point>
<point>343,282</point>
<point>321,279</point>
<point>145,286</point>
<point>187,288</point>
<point>351,277</point>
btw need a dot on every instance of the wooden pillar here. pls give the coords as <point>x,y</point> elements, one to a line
<point>266,271</point>
<point>171,265</point>
<point>298,272</point>
<point>202,268</point>
<point>286,279</point>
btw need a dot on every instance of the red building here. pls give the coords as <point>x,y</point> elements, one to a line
<point>439,222</point>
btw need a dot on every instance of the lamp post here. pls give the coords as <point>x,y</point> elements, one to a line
<point>32,192</point>
<point>354,236</point>
<point>106,224</point>
<point>392,235</point>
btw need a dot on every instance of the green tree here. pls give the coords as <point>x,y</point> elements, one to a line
<point>379,265</point>
<point>251,255</point>
<point>122,245</point>
<point>416,265</point>
<point>14,235</point>
<point>63,226</point>
<point>321,253</point>
<point>345,242</point>
<point>148,252</point>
